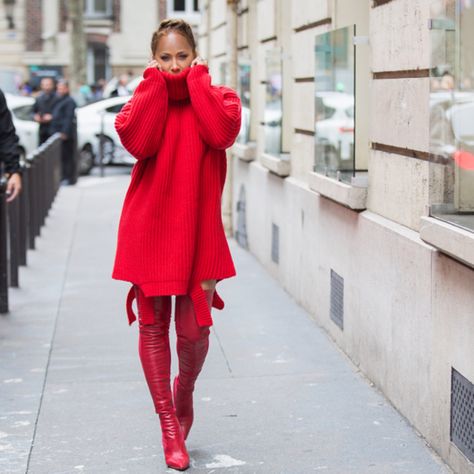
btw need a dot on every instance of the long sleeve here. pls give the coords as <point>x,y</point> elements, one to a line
<point>141,121</point>
<point>217,109</point>
<point>8,139</point>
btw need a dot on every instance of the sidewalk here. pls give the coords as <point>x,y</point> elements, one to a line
<point>275,396</point>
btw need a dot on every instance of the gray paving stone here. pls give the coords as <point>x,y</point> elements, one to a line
<point>275,394</point>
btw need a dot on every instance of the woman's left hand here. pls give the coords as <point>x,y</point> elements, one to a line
<point>199,60</point>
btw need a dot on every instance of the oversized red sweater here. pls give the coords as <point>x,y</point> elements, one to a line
<point>170,235</point>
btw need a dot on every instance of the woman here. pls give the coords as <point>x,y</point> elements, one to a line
<point>171,239</point>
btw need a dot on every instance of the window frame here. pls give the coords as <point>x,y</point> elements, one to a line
<point>90,12</point>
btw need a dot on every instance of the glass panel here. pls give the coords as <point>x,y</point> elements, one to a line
<point>179,5</point>
<point>273,102</point>
<point>244,92</point>
<point>196,5</point>
<point>100,6</point>
<point>452,112</point>
<point>334,104</point>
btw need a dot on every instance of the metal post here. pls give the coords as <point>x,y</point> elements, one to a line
<point>3,249</point>
<point>24,217</point>
<point>101,144</point>
<point>14,240</point>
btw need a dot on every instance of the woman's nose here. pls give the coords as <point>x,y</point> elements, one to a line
<point>174,66</point>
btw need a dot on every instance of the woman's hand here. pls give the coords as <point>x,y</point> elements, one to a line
<point>154,63</point>
<point>199,60</point>
<point>13,187</point>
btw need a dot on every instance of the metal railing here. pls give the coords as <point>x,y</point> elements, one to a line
<point>21,220</point>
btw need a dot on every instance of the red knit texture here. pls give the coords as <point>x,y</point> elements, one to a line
<point>170,235</point>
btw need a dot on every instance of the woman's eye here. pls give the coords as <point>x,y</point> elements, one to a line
<point>164,58</point>
<point>183,56</point>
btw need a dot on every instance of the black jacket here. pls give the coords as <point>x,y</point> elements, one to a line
<point>44,105</point>
<point>8,139</point>
<point>64,117</point>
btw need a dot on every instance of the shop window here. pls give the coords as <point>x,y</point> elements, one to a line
<point>334,104</point>
<point>273,102</point>
<point>98,8</point>
<point>452,112</point>
<point>244,92</point>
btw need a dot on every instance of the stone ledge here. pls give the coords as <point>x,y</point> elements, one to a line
<point>275,164</point>
<point>353,197</point>
<point>449,239</point>
<point>245,151</point>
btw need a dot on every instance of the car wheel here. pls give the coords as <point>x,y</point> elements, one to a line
<point>86,160</point>
<point>108,150</point>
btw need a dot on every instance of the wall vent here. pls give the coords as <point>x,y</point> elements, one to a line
<point>241,231</point>
<point>336,311</point>
<point>462,414</point>
<point>275,243</point>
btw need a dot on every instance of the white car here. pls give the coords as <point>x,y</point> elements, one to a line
<point>93,118</point>
<point>22,114</point>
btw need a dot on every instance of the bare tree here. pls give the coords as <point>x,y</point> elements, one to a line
<point>78,43</point>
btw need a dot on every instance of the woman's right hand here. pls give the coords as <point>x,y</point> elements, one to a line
<point>154,63</point>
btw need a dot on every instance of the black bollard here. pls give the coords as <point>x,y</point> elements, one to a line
<point>3,249</point>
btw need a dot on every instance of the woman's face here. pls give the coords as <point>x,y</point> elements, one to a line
<point>174,53</point>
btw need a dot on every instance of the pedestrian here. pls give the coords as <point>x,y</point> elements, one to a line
<point>121,90</point>
<point>43,107</point>
<point>9,156</point>
<point>171,240</point>
<point>64,122</point>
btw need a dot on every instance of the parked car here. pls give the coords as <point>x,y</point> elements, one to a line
<point>113,83</point>
<point>90,120</point>
<point>22,115</point>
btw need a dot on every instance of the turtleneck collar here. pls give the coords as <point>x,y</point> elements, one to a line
<point>177,84</point>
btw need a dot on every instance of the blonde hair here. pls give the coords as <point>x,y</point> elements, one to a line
<point>173,25</point>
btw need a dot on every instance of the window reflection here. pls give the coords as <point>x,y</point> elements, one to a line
<point>452,112</point>
<point>273,102</point>
<point>244,92</point>
<point>334,104</point>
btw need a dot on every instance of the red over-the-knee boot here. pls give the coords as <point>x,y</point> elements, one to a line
<point>192,346</point>
<point>155,356</point>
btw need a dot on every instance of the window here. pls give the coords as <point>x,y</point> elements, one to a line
<point>183,6</point>
<point>334,104</point>
<point>452,112</point>
<point>98,8</point>
<point>114,109</point>
<point>24,112</point>
<point>273,102</point>
<point>244,92</point>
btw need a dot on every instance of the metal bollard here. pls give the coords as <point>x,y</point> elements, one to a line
<point>3,249</point>
<point>23,217</point>
<point>14,240</point>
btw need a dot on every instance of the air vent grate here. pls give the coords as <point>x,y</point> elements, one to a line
<point>462,414</point>
<point>337,299</point>
<point>275,243</point>
<point>241,231</point>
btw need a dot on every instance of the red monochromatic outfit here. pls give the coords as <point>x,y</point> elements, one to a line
<point>171,236</point>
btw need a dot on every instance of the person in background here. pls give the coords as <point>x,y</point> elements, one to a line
<point>121,89</point>
<point>9,155</point>
<point>64,122</point>
<point>43,107</point>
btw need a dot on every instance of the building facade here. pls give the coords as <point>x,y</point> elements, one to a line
<point>35,35</point>
<point>352,182</point>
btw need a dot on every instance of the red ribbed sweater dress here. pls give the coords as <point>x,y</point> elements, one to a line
<point>170,235</point>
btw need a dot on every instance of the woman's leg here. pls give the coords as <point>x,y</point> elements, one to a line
<point>155,356</point>
<point>192,346</point>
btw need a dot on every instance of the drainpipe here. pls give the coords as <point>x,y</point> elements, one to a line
<point>227,202</point>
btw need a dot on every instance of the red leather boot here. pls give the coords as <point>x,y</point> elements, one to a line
<point>155,356</point>
<point>192,346</point>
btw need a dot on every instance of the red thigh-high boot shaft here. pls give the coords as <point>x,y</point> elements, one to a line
<point>192,346</point>
<point>155,356</point>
